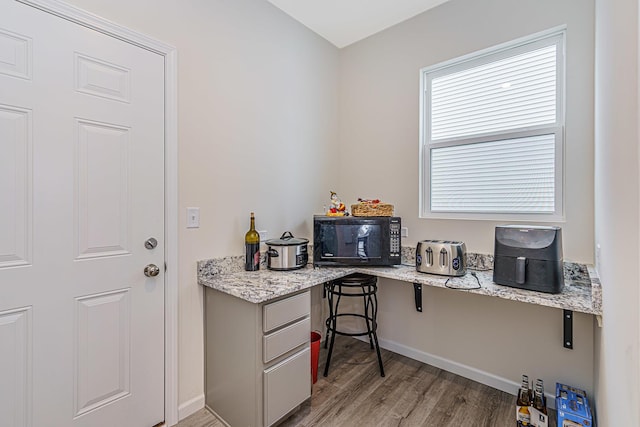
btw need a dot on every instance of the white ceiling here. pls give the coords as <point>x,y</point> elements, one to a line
<point>343,22</point>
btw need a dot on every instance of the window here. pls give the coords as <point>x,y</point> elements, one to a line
<point>492,133</point>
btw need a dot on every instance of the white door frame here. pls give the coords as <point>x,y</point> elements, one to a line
<point>170,55</point>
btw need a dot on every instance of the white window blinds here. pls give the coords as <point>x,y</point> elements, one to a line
<point>514,175</point>
<point>493,132</point>
<point>512,93</point>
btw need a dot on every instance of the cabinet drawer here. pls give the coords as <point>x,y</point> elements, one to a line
<point>286,339</point>
<point>285,311</point>
<point>286,385</point>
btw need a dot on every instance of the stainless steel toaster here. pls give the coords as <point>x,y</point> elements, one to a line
<point>441,257</point>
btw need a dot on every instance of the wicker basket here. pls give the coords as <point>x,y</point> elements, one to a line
<point>372,209</point>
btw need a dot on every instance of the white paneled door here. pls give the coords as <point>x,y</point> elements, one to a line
<point>81,191</point>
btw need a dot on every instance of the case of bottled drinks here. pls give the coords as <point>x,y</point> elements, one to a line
<point>572,407</point>
<point>531,405</point>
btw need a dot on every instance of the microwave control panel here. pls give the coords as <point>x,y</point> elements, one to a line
<point>394,231</point>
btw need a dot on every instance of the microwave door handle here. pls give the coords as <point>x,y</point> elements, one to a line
<point>521,263</point>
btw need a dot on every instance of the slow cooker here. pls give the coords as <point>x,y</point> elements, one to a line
<point>287,252</point>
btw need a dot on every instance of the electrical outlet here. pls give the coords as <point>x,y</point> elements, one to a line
<point>263,235</point>
<point>404,231</point>
<point>193,217</point>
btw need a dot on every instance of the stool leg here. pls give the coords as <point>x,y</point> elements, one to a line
<point>333,329</point>
<point>375,338</point>
<point>374,316</point>
<point>367,299</point>
<point>329,290</point>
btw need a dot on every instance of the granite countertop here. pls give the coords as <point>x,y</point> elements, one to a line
<point>582,290</point>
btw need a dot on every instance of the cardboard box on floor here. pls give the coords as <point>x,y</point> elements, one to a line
<point>572,407</point>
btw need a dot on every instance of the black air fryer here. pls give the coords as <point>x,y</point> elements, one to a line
<point>529,257</point>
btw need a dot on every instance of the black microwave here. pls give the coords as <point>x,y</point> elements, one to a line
<point>349,240</point>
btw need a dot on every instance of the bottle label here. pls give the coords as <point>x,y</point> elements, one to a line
<point>523,417</point>
<point>252,257</point>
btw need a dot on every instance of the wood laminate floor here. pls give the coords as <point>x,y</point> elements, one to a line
<point>411,394</point>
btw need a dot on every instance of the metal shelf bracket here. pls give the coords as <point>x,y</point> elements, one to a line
<point>417,292</point>
<point>567,323</point>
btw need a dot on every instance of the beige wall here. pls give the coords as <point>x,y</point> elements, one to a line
<point>379,125</point>
<point>618,212</point>
<point>499,338</point>
<point>379,120</point>
<point>257,130</point>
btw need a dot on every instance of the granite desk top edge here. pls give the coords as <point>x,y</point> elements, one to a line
<point>582,293</point>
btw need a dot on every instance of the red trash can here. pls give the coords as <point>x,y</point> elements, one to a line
<point>315,354</point>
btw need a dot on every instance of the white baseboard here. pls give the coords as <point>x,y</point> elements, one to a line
<point>190,407</point>
<point>466,371</point>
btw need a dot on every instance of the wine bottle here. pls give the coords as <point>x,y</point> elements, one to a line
<point>252,247</point>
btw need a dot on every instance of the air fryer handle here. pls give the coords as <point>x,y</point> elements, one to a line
<point>521,262</point>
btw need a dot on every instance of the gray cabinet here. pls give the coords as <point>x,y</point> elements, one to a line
<point>257,357</point>
<point>283,390</point>
<point>288,338</point>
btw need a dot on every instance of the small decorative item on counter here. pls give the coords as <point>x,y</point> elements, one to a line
<point>371,207</point>
<point>572,407</point>
<point>337,207</point>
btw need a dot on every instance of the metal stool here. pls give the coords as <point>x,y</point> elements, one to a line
<point>355,285</point>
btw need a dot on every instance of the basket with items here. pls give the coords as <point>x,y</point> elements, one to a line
<point>371,207</point>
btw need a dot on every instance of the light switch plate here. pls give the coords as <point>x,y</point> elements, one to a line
<point>193,217</point>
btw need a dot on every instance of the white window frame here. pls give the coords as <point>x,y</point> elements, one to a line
<point>553,36</point>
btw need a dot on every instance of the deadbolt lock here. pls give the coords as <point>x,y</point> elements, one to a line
<point>150,243</point>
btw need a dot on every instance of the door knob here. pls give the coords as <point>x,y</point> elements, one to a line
<point>151,270</point>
